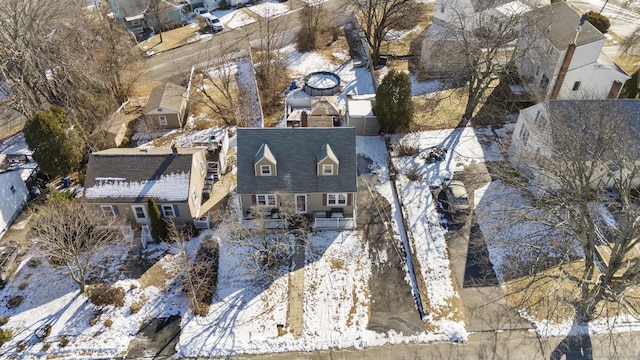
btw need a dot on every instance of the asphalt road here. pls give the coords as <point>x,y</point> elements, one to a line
<point>176,64</point>
<point>623,19</point>
<point>506,345</point>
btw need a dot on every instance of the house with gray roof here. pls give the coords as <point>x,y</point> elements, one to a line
<point>138,15</point>
<point>563,57</point>
<point>317,166</point>
<point>121,180</point>
<point>166,107</point>
<point>536,134</point>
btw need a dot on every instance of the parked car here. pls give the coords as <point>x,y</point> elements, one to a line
<point>213,22</point>
<point>454,198</point>
<point>199,11</point>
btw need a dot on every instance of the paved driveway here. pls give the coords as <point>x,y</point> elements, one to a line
<point>393,306</point>
<point>484,303</point>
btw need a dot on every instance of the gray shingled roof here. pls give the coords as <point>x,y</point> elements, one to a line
<point>137,165</point>
<point>559,21</point>
<point>129,8</point>
<point>168,97</point>
<point>296,151</point>
<point>626,109</point>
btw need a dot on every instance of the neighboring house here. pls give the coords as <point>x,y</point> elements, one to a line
<point>14,195</point>
<point>314,111</point>
<point>122,180</point>
<point>532,133</point>
<point>564,60</point>
<point>166,107</point>
<point>359,114</point>
<point>316,165</point>
<point>137,15</point>
<point>443,37</point>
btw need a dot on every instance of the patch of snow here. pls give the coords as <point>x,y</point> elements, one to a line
<point>270,9</point>
<point>170,187</point>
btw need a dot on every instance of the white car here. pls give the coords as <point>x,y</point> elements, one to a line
<point>213,22</point>
<point>200,11</point>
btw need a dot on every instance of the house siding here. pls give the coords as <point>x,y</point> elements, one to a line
<point>173,120</point>
<point>315,202</point>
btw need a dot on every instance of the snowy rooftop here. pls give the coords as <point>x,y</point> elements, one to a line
<point>360,108</point>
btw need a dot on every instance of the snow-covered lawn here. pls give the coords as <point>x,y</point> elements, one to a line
<point>50,297</point>
<point>270,9</point>
<point>235,19</point>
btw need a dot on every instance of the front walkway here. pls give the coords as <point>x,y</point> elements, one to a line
<point>295,311</point>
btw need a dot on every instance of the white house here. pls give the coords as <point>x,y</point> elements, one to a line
<point>444,35</point>
<point>564,60</point>
<point>533,134</point>
<point>14,195</point>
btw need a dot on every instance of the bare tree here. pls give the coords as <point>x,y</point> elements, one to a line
<point>478,47</point>
<point>380,16</point>
<point>70,233</point>
<point>161,11</point>
<point>225,91</point>
<point>116,59</point>
<point>312,19</point>
<point>41,52</point>
<point>269,241</point>
<point>584,173</point>
<point>271,72</point>
<point>199,269</point>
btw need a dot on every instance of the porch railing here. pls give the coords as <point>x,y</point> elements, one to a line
<point>334,223</point>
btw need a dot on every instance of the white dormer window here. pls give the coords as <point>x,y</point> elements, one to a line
<point>162,119</point>
<point>327,161</point>
<point>265,163</point>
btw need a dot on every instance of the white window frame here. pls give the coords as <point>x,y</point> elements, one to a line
<point>168,214</point>
<point>107,210</point>
<point>337,199</point>
<point>267,200</point>
<point>202,168</point>
<point>265,173</point>
<point>162,119</point>
<point>324,169</point>
<point>194,196</point>
<point>135,209</point>
<point>305,203</point>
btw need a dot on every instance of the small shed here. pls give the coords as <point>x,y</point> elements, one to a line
<point>166,107</point>
<point>359,114</point>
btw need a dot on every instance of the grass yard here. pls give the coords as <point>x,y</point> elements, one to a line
<point>402,46</point>
<point>546,296</point>
<point>440,111</point>
<point>171,39</point>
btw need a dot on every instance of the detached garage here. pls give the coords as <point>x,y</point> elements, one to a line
<point>359,114</point>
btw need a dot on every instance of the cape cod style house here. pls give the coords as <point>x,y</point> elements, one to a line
<point>316,165</point>
<point>122,180</point>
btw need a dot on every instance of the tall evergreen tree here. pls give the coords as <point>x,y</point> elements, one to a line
<point>56,146</point>
<point>394,107</point>
<point>158,225</point>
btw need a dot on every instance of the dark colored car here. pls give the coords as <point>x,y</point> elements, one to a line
<point>454,199</point>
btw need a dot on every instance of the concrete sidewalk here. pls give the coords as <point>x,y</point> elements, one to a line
<point>295,311</point>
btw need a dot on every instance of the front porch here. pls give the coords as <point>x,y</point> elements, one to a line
<point>334,219</point>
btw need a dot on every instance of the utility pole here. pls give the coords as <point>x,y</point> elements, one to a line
<point>605,4</point>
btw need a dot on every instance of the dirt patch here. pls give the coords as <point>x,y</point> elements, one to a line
<point>156,275</point>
